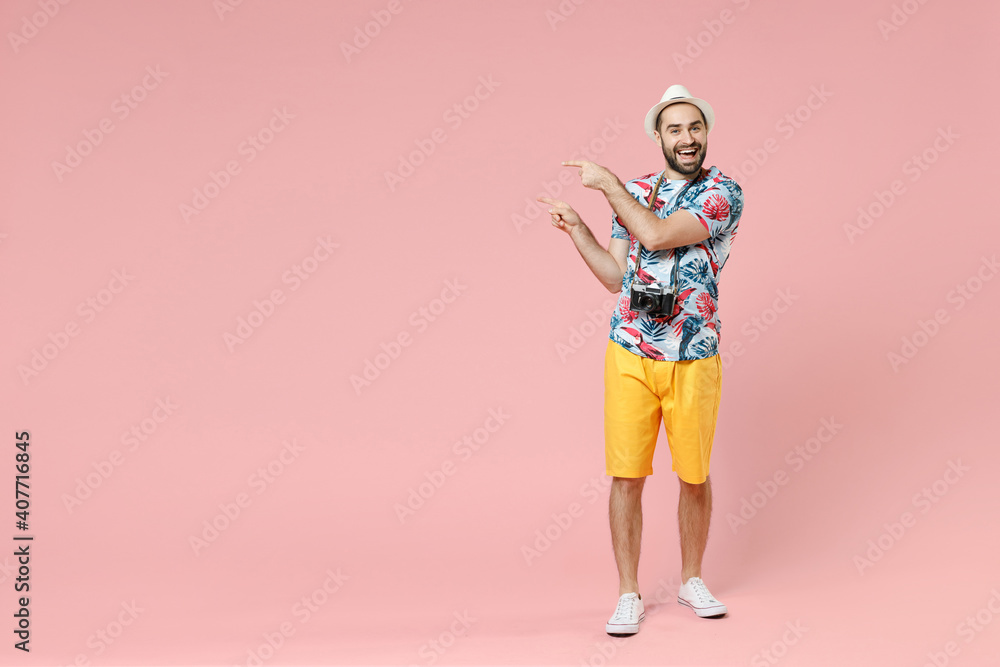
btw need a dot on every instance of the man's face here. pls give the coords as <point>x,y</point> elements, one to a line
<point>683,137</point>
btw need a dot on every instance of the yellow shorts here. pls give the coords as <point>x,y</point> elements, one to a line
<point>638,391</point>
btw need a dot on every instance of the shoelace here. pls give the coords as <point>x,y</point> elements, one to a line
<point>701,591</point>
<point>626,606</point>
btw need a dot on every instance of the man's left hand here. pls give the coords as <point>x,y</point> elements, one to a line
<point>594,175</point>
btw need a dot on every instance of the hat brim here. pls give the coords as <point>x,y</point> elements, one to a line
<point>705,107</point>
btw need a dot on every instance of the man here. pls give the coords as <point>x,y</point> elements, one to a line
<point>661,360</point>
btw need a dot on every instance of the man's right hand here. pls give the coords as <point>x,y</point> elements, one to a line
<point>563,215</point>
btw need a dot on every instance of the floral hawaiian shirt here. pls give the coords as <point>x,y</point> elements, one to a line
<point>717,202</point>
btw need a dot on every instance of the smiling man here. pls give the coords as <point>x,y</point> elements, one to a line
<point>671,233</point>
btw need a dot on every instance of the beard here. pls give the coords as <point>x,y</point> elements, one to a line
<point>687,168</point>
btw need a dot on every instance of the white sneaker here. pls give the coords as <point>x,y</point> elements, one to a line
<point>627,616</point>
<point>693,593</point>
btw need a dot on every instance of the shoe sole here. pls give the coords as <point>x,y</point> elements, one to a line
<point>625,630</point>
<point>707,612</point>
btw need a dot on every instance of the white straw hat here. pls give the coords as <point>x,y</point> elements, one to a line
<point>675,95</point>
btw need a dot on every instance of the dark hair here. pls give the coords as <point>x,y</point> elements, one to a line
<point>703,119</point>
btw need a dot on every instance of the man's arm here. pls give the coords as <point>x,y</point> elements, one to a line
<point>678,229</point>
<point>608,265</point>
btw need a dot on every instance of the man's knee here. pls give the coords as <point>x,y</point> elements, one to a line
<point>628,480</point>
<point>627,484</point>
<point>695,488</point>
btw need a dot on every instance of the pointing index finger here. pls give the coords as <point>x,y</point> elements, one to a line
<point>574,163</point>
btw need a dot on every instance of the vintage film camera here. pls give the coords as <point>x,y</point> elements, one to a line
<point>656,299</point>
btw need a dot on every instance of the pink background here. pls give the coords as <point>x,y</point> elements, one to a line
<point>500,341</point>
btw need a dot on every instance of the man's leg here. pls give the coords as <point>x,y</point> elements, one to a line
<point>631,423</point>
<point>694,511</point>
<point>625,513</point>
<point>690,414</point>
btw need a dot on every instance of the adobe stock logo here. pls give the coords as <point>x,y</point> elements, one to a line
<point>223,7</point>
<point>464,449</point>
<point>898,18</point>
<point>249,149</point>
<point>103,638</point>
<point>593,489</point>
<point>697,44</point>
<point>31,25</point>
<point>927,329</point>
<point>60,340</point>
<point>595,323</point>
<point>124,105</point>
<point>420,319</point>
<point>303,610</point>
<point>967,629</point>
<point>923,500</point>
<point>381,18</point>
<point>231,510</point>
<point>779,647</point>
<point>264,309</point>
<point>786,126</point>
<point>915,167</point>
<point>758,325</point>
<point>562,12</point>
<point>796,458</point>
<point>434,648</point>
<point>454,116</point>
<point>139,433</point>
<point>593,149</point>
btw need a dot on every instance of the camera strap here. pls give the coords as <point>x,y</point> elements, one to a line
<point>652,202</point>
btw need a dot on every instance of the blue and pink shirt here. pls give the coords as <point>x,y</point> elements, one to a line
<point>717,202</point>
